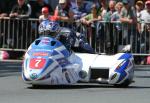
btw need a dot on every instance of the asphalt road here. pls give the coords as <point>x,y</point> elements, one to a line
<point>13,89</point>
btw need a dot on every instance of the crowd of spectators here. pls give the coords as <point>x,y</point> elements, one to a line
<point>85,10</point>
<point>135,17</point>
<point>76,9</point>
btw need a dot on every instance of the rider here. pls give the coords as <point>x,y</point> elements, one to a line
<point>68,37</point>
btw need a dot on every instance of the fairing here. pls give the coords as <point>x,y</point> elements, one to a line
<point>48,62</point>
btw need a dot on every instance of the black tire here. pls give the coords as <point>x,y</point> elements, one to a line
<point>125,84</point>
<point>36,86</point>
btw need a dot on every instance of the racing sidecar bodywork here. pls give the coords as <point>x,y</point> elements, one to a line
<point>48,62</point>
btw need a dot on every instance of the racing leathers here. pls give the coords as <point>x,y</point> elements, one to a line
<point>73,39</point>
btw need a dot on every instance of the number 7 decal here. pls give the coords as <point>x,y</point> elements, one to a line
<point>37,63</point>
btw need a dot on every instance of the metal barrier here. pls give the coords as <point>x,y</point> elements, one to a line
<point>17,34</point>
<point>113,37</point>
<point>104,37</point>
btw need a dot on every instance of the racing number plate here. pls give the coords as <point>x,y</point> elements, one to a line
<point>37,63</point>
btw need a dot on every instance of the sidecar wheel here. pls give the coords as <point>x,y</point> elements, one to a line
<point>125,84</point>
<point>35,86</point>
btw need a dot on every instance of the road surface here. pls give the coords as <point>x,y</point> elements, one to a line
<point>13,89</point>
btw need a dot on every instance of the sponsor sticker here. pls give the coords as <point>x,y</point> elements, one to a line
<point>45,41</point>
<point>33,76</point>
<point>40,54</point>
<point>114,76</point>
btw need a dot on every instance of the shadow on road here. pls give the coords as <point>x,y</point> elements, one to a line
<point>84,86</point>
<point>138,87</point>
<point>141,76</point>
<point>78,86</point>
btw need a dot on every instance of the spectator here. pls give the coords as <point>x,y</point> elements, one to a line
<point>82,9</point>
<point>95,29</point>
<point>3,10</point>
<point>64,12</point>
<point>53,3</point>
<point>45,14</point>
<point>111,10</point>
<point>128,13</point>
<point>145,26</point>
<point>21,10</point>
<point>109,27</point>
<point>145,16</point>
<point>101,9</point>
<point>73,3</point>
<point>90,18</point>
<point>117,27</point>
<point>89,21</point>
<point>5,7</point>
<point>117,14</point>
<point>129,20</point>
<point>139,6</point>
<point>3,13</point>
<point>37,7</point>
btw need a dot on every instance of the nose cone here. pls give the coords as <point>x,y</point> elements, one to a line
<point>38,68</point>
<point>33,68</point>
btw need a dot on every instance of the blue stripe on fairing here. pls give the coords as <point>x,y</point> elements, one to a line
<point>125,56</point>
<point>66,53</point>
<point>48,63</point>
<point>63,62</point>
<point>122,71</point>
<point>54,53</point>
<point>24,78</point>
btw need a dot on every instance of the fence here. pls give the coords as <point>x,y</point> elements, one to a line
<point>104,37</point>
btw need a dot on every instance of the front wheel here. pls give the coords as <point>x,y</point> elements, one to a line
<point>125,84</point>
<point>36,86</point>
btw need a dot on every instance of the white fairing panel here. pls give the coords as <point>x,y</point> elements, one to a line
<point>106,61</point>
<point>96,60</point>
<point>87,60</point>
